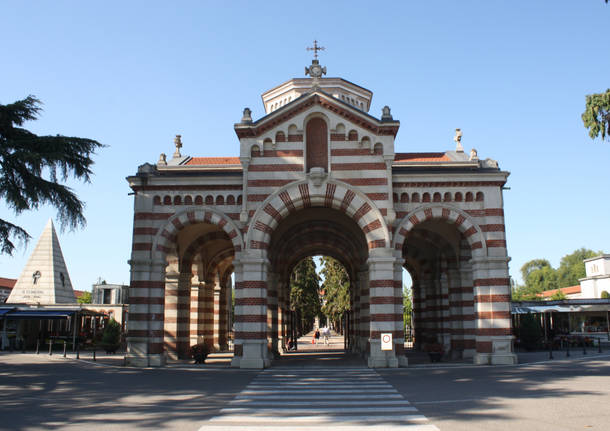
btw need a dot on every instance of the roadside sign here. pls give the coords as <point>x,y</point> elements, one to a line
<point>386,342</point>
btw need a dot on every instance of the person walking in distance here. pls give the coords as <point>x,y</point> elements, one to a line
<point>317,335</point>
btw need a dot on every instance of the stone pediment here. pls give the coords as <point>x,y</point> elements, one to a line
<point>324,100</point>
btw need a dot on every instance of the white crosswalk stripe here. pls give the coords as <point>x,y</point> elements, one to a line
<point>303,399</point>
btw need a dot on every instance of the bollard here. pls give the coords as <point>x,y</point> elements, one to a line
<point>50,346</point>
<point>551,350</point>
<point>568,349</point>
<point>599,345</point>
<point>38,346</point>
<point>94,354</point>
<point>77,351</point>
<point>584,347</point>
<point>65,347</point>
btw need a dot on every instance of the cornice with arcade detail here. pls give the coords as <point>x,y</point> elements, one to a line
<point>280,116</point>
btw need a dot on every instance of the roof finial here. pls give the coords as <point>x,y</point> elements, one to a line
<point>178,142</point>
<point>315,49</point>
<point>458,139</point>
<point>315,70</point>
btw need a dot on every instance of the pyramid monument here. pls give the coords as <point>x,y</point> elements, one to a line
<point>45,278</point>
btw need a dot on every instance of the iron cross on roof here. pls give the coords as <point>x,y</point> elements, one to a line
<point>315,49</point>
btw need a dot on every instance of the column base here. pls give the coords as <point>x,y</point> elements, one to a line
<point>254,355</point>
<point>156,360</point>
<point>381,358</point>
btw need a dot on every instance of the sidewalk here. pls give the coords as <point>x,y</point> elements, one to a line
<point>319,354</point>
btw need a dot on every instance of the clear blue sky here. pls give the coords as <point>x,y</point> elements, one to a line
<point>512,75</point>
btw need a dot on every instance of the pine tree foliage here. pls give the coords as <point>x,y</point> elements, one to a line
<point>596,117</point>
<point>336,290</point>
<point>31,167</point>
<point>304,292</point>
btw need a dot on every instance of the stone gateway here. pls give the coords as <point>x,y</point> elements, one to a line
<point>318,175</point>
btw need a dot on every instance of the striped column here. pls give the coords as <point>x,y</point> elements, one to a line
<point>272,312</point>
<point>177,320</point>
<point>216,318</point>
<point>361,314</point>
<point>399,337</point>
<point>146,314</point>
<point>251,310</point>
<point>197,311</point>
<point>492,312</point>
<point>208,313</point>
<point>223,323</point>
<point>383,316</point>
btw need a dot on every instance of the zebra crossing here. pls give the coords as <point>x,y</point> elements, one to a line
<point>306,398</point>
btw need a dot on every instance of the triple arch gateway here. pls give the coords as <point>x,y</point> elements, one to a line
<point>318,175</point>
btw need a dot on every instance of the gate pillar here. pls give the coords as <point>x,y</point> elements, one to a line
<point>492,311</point>
<point>251,311</point>
<point>382,300</point>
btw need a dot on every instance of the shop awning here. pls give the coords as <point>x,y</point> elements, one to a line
<point>4,311</point>
<point>40,314</point>
<point>572,308</point>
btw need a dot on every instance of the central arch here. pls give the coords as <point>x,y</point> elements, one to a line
<point>307,218</point>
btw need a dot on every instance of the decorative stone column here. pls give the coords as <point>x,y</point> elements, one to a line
<point>383,317</point>
<point>208,313</point>
<point>251,310</point>
<point>272,312</point>
<point>492,311</point>
<point>197,311</point>
<point>170,339</point>
<point>146,314</point>
<point>399,337</point>
<point>216,329</point>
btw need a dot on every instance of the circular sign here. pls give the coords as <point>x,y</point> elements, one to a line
<point>386,338</point>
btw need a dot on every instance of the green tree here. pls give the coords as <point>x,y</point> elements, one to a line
<point>559,295</point>
<point>304,293</point>
<point>111,337</point>
<point>596,117</point>
<point>336,290</point>
<point>407,307</point>
<point>572,268</point>
<point>31,165</point>
<point>530,331</point>
<point>84,298</point>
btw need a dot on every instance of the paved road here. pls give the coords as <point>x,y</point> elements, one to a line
<point>53,393</point>
<point>308,399</point>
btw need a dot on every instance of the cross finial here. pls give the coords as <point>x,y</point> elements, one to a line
<point>315,49</point>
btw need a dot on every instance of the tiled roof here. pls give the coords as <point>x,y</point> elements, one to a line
<point>565,290</point>
<point>79,293</point>
<point>421,157</point>
<point>7,282</point>
<point>214,161</point>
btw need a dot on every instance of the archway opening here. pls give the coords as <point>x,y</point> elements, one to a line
<point>438,259</point>
<point>198,291</point>
<point>343,251</point>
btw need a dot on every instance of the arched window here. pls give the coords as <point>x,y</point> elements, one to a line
<point>469,197</point>
<point>352,135</point>
<point>220,200</point>
<point>209,200</point>
<point>280,137</point>
<point>255,151</point>
<point>167,200</point>
<point>436,197</point>
<point>458,197</point>
<point>447,197</point>
<point>415,197</point>
<point>426,197</point>
<point>317,144</point>
<point>480,197</point>
<point>239,200</point>
<point>230,200</point>
<point>404,198</point>
<point>188,200</point>
<point>378,148</point>
<point>198,200</point>
<point>177,200</point>
<point>157,200</point>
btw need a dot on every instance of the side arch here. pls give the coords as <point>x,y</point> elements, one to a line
<point>462,221</point>
<point>165,239</point>
<point>304,194</point>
